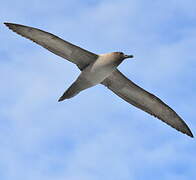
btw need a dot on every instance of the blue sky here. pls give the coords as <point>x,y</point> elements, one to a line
<point>97,135</point>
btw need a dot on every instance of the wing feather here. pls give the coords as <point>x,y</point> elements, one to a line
<point>58,46</point>
<point>145,101</point>
<point>116,82</point>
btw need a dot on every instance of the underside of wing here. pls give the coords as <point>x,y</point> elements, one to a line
<point>58,46</point>
<point>144,100</point>
<point>116,82</point>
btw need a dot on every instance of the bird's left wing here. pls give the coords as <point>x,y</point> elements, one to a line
<point>58,46</point>
<point>145,101</point>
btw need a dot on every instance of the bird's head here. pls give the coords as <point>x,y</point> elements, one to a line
<point>122,56</point>
<point>115,58</point>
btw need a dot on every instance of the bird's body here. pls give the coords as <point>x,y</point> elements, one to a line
<point>96,69</point>
<point>94,74</point>
<point>105,64</point>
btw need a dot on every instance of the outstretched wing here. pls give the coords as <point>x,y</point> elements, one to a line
<point>58,46</point>
<point>117,82</point>
<point>144,100</point>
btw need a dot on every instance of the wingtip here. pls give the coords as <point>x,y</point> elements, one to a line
<point>60,99</point>
<point>190,134</point>
<point>187,131</point>
<point>9,25</point>
<point>6,23</point>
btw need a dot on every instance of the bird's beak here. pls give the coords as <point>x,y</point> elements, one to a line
<point>128,56</point>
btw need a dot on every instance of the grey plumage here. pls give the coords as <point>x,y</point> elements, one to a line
<point>95,73</point>
<point>102,69</point>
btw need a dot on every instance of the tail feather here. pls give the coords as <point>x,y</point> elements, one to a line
<point>79,85</point>
<point>69,93</point>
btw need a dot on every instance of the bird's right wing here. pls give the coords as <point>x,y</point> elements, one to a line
<point>58,46</point>
<point>145,101</point>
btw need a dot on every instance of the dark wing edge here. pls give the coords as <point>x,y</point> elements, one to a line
<point>145,101</point>
<point>56,45</point>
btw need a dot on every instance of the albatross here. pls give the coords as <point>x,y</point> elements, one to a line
<point>102,69</point>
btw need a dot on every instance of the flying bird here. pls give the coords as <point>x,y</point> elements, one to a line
<point>102,69</point>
